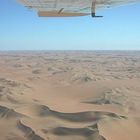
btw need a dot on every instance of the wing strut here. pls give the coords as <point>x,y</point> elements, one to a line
<point>93,10</point>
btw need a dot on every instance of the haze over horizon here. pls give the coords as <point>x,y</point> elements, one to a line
<point>22,29</point>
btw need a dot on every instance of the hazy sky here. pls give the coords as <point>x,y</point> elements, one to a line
<point>22,29</point>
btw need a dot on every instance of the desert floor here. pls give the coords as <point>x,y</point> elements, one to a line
<point>67,95</point>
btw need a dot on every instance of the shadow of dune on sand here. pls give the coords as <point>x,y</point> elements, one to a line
<point>76,131</point>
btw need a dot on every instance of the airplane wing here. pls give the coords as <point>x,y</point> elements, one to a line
<point>67,8</point>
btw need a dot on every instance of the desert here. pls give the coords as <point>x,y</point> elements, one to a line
<point>69,95</point>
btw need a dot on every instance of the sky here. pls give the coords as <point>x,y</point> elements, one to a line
<point>22,29</point>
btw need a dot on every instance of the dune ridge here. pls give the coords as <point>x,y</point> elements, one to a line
<point>89,116</point>
<point>9,113</point>
<point>29,133</point>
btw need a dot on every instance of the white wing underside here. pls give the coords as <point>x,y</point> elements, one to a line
<point>56,8</point>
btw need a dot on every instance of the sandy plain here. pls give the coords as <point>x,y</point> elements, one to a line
<point>70,95</point>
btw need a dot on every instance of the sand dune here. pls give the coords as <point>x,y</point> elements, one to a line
<point>69,95</point>
<point>87,116</point>
<point>9,113</point>
<point>29,133</point>
<point>76,117</point>
<point>127,98</point>
<point>89,133</point>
